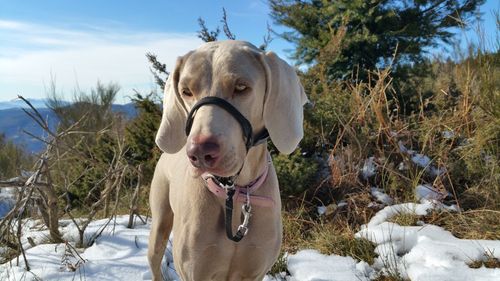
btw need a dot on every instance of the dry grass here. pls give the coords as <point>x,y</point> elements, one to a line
<point>389,278</point>
<point>473,224</point>
<point>406,219</point>
<point>369,123</point>
<point>333,234</point>
<point>329,238</point>
<point>302,231</point>
<point>8,254</point>
<point>488,261</point>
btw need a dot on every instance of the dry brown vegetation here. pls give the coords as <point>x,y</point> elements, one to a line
<point>456,124</point>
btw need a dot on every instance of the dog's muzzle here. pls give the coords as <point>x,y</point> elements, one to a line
<point>250,139</point>
<point>228,184</point>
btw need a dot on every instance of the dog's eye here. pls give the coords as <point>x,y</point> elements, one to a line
<point>240,88</point>
<point>186,92</point>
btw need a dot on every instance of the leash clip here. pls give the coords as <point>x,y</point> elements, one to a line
<point>246,209</point>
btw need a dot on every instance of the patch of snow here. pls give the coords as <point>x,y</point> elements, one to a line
<point>402,166</point>
<point>448,134</point>
<point>403,149</point>
<point>341,204</point>
<point>421,160</point>
<point>428,192</point>
<point>321,210</point>
<point>426,252</point>
<point>375,205</point>
<point>310,265</point>
<point>369,169</point>
<point>391,211</point>
<point>119,254</point>
<point>437,171</point>
<point>327,210</point>
<point>381,196</point>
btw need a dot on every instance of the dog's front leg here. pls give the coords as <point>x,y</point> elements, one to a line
<point>162,219</point>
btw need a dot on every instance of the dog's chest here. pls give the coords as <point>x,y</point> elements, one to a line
<point>201,245</point>
<point>201,259</point>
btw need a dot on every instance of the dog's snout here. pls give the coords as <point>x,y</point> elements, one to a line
<point>203,153</point>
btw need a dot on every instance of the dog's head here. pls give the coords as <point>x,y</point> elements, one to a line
<point>261,86</point>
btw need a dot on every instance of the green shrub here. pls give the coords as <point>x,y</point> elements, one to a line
<point>295,172</point>
<point>13,159</point>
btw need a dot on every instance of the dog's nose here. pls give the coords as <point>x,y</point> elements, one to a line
<point>203,154</point>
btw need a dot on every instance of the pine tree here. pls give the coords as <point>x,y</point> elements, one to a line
<point>140,135</point>
<point>371,31</point>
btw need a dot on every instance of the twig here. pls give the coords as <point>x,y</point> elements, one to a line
<point>225,26</point>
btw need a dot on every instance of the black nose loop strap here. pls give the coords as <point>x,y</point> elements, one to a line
<point>244,123</point>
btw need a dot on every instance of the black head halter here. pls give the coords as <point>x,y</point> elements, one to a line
<point>228,183</point>
<point>250,140</point>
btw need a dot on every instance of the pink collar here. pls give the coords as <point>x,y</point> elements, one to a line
<point>242,191</point>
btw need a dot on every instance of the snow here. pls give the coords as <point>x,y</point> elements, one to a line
<point>341,204</point>
<point>421,160</point>
<point>426,252</point>
<point>427,192</point>
<point>403,148</point>
<point>119,254</point>
<point>321,210</point>
<point>448,134</point>
<point>381,196</point>
<point>369,169</point>
<point>310,265</point>
<point>330,209</point>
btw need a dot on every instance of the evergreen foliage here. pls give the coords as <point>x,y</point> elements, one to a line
<point>13,159</point>
<point>373,30</point>
<point>296,173</point>
<point>140,135</point>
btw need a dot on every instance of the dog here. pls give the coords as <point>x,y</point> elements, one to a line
<point>220,104</point>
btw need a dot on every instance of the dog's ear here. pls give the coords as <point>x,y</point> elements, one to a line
<point>171,137</point>
<point>283,105</point>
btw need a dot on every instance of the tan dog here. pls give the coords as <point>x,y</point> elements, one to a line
<point>265,90</point>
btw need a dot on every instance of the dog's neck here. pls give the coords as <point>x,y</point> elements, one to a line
<point>255,162</point>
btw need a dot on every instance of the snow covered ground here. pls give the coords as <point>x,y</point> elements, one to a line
<point>425,252</point>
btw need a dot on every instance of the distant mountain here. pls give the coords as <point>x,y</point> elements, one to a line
<point>18,103</point>
<point>13,121</point>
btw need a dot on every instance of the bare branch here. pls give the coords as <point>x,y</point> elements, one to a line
<point>225,26</point>
<point>267,38</point>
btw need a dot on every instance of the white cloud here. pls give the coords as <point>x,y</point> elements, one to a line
<point>12,25</point>
<point>34,53</point>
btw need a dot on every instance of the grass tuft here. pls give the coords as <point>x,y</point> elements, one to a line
<point>406,219</point>
<point>488,261</point>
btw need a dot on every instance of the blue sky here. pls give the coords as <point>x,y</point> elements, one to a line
<point>80,42</point>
